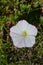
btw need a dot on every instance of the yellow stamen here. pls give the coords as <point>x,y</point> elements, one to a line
<point>24,34</point>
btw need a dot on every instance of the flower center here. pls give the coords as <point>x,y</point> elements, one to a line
<point>24,34</point>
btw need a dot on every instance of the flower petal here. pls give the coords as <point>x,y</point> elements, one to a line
<point>20,44</point>
<point>22,25</point>
<point>15,29</point>
<point>29,41</point>
<point>32,30</point>
<point>17,40</point>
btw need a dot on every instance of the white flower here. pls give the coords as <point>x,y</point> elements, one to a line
<point>23,34</point>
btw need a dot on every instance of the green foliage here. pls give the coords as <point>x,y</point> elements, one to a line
<point>41,18</point>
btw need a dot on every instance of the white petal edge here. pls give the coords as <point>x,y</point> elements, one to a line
<point>15,29</point>
<point>17,40</point>
<point>32,30</point>
<point>22,25</point>
<point>29,41</point>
